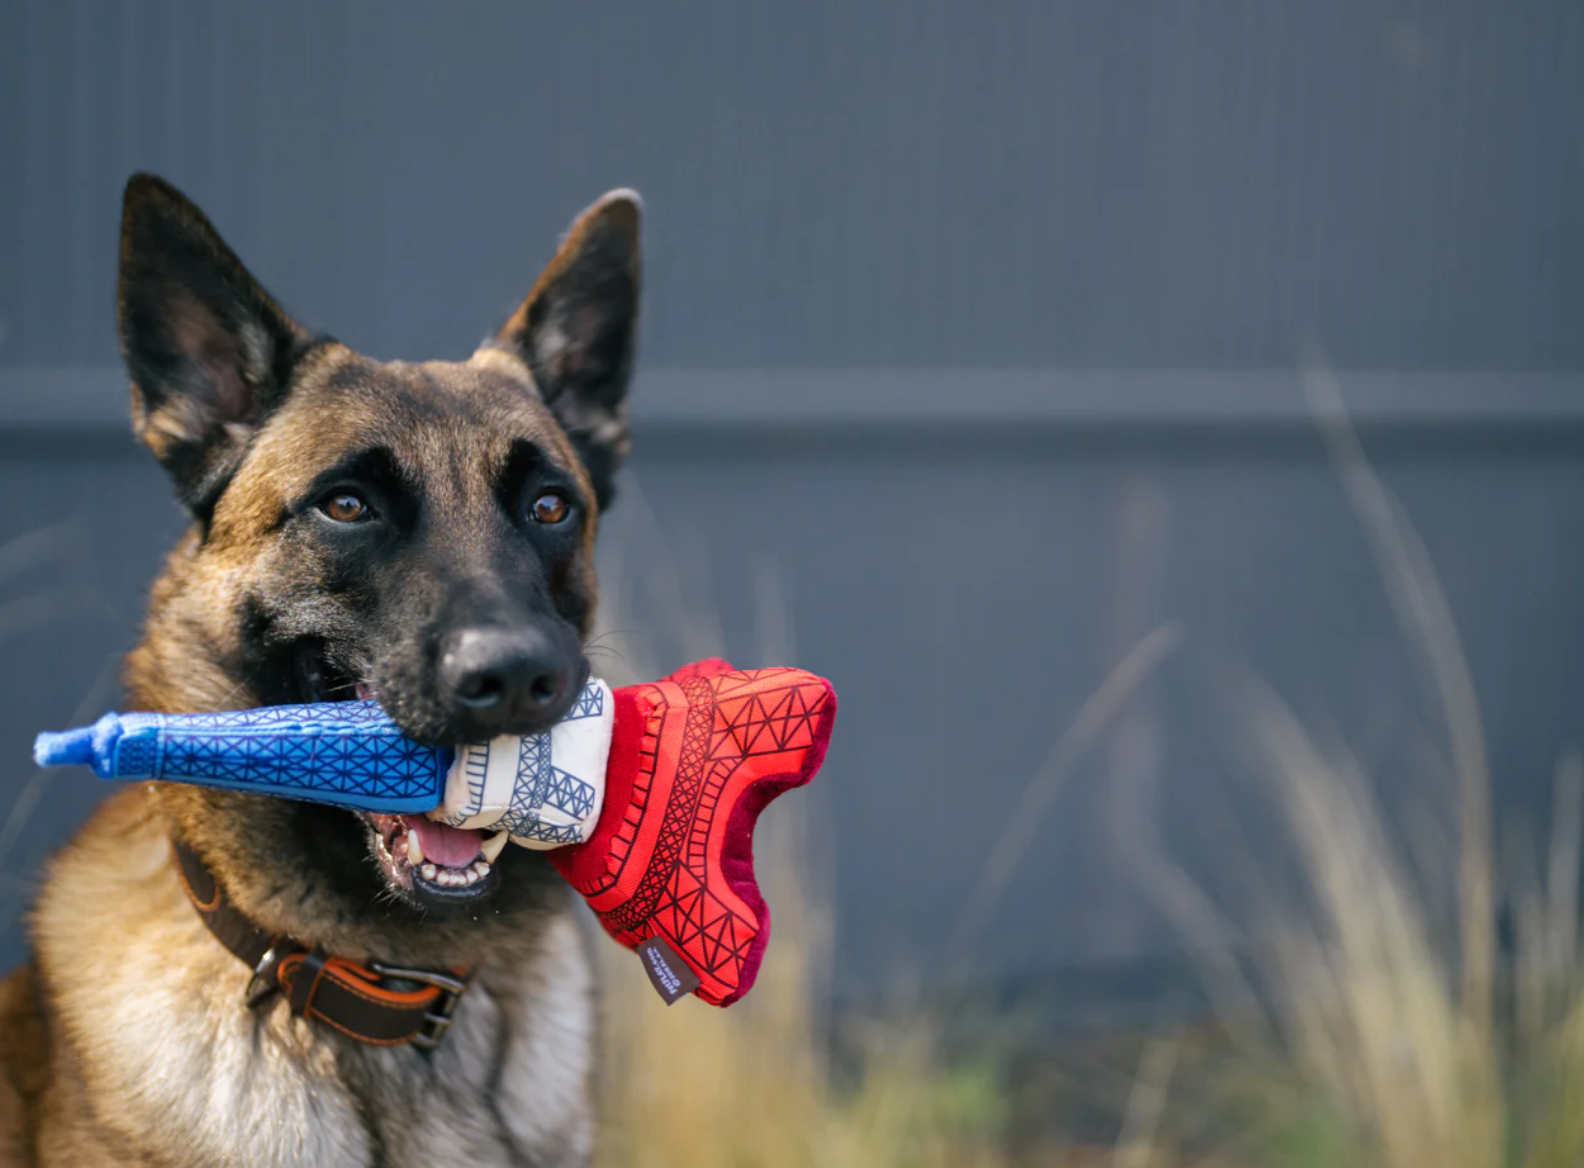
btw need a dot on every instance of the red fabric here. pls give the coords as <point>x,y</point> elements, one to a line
<point>695,757</point>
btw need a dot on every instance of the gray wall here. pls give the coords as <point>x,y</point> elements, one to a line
<point>834,183</point>
<point>967,360</point>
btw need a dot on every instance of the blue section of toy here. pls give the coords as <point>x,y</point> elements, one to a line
<point>348,754</point>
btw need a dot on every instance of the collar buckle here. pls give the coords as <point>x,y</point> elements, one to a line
<point>437,1020</point>
<point>264,983</point>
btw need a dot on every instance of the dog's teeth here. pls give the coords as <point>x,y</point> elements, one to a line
<point>481,867</point>
<point>492,846</point>
<point>415,855</point>
<point>428,871</point>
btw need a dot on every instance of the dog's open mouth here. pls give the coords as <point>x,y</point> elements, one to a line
<point>317,679</point>
<point>434,860</point>
<point>428,862</point>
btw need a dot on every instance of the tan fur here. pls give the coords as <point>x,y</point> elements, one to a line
<point>127,1040</point>
<point>154,1060</point>
<point>326,416</point>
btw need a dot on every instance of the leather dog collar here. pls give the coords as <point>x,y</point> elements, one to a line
<point>371,1003</point>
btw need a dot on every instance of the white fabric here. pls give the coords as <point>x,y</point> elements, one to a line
<point>546,789</point>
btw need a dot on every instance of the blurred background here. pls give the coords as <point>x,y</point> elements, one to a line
<point>988,352</point>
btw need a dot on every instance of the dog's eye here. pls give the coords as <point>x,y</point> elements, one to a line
<point>550,508</point>
<point>345,508</point>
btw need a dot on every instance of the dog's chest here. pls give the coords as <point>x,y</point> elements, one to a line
<point>504,1089</point>
<point>509,1086</point>
<point>180,1071</point>
<point>159,1061</point>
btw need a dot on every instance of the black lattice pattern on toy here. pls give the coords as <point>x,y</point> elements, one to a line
<point>542,784</point>
<point>332,715</point>
<point>720,734</point>
<point>590,702</point>
<point>363,763</point>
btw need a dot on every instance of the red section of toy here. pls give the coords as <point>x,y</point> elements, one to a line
<point>695,758</point>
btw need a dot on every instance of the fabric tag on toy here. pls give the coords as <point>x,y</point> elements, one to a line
<point>671,977</point>
<point>545,789</point>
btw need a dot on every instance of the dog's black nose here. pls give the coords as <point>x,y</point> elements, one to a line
<point>503,680</point>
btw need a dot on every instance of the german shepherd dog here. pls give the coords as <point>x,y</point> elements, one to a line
<point>421,534</point>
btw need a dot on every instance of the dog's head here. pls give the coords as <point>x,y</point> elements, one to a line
<point>422,534</point>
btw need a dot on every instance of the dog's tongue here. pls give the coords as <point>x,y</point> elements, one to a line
<point>445,844</point>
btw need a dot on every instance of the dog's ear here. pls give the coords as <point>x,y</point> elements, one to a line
<point>577,332</point>
<point>208,351</point>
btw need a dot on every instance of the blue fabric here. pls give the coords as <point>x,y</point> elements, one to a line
<point>348,754</point>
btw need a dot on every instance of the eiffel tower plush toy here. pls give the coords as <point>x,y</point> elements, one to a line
<point>645,797</point>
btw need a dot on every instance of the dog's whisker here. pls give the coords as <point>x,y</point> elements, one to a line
<point>607,651</point>
<point>594,642</point>
<point>225,699</point>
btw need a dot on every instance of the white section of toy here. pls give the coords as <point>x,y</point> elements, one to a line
<point>545,789</point>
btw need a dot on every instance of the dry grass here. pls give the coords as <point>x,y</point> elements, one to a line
<point>1392,1028</point>
<point>753,1085</point>
<point>1403,1038</point>
<point>756,1086</point>
<point>1384,1052</point>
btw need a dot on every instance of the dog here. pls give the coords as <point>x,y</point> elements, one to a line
<point>419,534</point>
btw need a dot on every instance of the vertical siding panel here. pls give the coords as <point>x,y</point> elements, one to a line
<point>13,148</point>
<point>1054,183</point>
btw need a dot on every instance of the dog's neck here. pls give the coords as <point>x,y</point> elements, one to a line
<point>153,1023</point>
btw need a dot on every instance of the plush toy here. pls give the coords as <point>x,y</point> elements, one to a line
<point>644,797</point>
